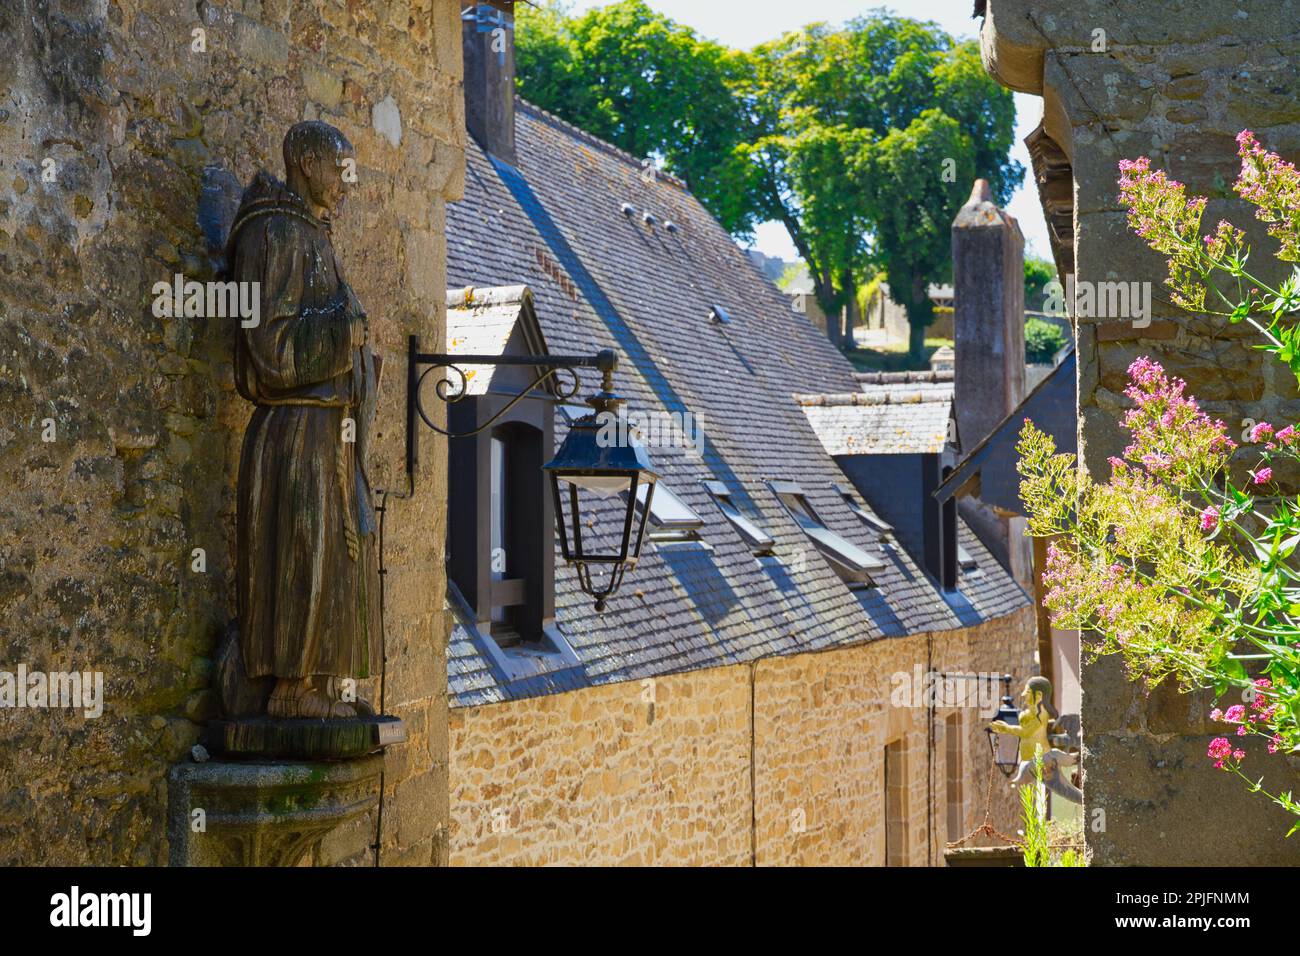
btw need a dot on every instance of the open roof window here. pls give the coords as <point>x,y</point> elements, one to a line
<point>759,541</point>
<point>851,563</point>
<point>866,517</point>
<point>965,560</point>
<point>671,519</point>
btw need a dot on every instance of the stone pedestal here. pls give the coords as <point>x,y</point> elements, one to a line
<point>263,814</point>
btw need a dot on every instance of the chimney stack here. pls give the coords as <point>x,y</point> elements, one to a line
<point>488,43</point>
<point>988,286</point>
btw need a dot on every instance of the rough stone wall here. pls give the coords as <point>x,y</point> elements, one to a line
<point>110,100</point>
<point>1176,81</point>
<point>779,762</point>
<point>637,773</point>
<point>821,728</point>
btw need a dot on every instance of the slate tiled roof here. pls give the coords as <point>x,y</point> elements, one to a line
<point>605,278</point>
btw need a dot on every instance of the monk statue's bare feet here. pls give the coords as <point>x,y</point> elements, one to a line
<point>299,700</point>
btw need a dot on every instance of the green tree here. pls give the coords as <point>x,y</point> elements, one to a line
<point>871,137</point>
<point>862,141</point>
<point>649,86</point>
<point>1038,273</point>
<point>1042,341</point>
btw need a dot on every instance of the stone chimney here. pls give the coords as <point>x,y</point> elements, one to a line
<point>488,42</point>
<point>988,280</point>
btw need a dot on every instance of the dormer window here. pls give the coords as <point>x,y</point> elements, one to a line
<point>966,561</point>
<point>759,541</point>
<point>851,563</point>
<point>500,527</point>
<point>671,519</point>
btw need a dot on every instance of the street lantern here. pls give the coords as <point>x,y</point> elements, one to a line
<point>1005,747</point>
<point>590,465</point>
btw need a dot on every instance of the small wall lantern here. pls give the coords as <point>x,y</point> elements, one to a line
<point>586,465</point>
<point>1005,747</point>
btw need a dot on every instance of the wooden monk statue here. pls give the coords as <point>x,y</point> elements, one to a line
<point>307,580</point>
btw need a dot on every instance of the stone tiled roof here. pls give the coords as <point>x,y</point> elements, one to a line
<point>481,322</point>
<point>893,414</point>
<point>605,278</point>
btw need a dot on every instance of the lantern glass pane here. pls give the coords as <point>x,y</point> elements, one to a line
<point>602,486</point>
<point>1008,750</point>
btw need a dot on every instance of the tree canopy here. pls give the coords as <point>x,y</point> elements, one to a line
<point>862,140</point>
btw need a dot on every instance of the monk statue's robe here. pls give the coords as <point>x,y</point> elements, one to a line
<point>307,581</point>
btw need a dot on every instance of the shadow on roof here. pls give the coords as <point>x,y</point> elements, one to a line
<point>697,574</point>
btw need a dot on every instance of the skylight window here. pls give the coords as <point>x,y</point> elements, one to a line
<point>759,541</point>
<point>671,519</point>
<point>851,563</point>
<point>873,522</point>
<point>965,560</point>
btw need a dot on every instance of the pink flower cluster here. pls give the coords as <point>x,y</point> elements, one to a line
<point>1220,750</point>
<point>1262,710</point>
<point>1171,435</point>
<point>1273,186</point>
<point>1209,518</point>
<point>1225,240</point>
<point>1283,438</point>
<point>1159,209</point>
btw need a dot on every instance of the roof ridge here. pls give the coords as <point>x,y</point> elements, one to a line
<point>898,397</point>
<point>904,378</point>
<point>577,132</point>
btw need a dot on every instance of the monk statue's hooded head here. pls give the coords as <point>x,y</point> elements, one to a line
<point>319,166</point>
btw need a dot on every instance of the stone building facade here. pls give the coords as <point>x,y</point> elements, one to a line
<point>1176,82</point>
<point>780,762</point>
<point>123,126</point>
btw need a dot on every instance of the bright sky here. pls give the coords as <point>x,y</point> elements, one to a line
<point>743,23</point>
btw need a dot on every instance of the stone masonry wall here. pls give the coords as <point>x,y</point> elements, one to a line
<point>823,722</point>
<point>779,762</point>
<point>1175,81</point>
<point>120,432</point>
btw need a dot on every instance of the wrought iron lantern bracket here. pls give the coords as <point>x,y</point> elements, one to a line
<point>420,364</point>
